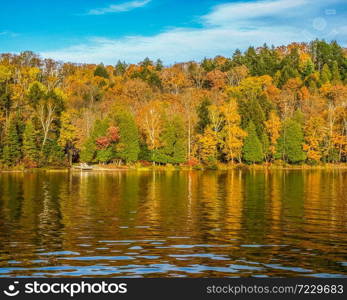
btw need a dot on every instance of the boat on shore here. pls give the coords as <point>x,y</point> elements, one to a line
<point>83,167</point>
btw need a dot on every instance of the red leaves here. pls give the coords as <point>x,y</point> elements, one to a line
<point>113,134</point>
<point>105,141</point>
<point>192,162</point>
<point>102,142</point>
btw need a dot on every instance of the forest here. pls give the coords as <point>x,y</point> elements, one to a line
<point>269,105</point>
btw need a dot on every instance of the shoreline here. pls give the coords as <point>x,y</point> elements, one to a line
<point>182,168</point>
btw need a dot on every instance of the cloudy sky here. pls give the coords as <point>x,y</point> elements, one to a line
<point>94,31</point>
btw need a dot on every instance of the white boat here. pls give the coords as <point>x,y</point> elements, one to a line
<point>83,167</point>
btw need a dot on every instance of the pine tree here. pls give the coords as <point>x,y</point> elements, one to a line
<point>325,75</point>
<point>37,91</point>
<point>159,65</point>
<point>53,154</point>
<point>87,153</point>
<point>291,142</point>
<point>308,69</point>
<point>290,67</point>
<point>265,144</point>
<point>252,149</point>
<point>101,71</point>
<point>30,148</point>
<point>251,111</point>
<point>128,148</point>
<point>120,68</point>
<point>335,73</point>
<point>11,153</point>
<point>174,142</point>
<point>89,149</point>
<point>105,155</point>
<point>204,116</point>
<point>100,130</point>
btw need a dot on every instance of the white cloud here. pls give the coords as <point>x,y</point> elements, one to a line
<point>218,35</point>
<point>244,11</point>
<point>171,46</point>
<point>116,8</point>
<point>8,33</point>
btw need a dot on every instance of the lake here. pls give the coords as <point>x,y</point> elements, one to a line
<point>174,224</point>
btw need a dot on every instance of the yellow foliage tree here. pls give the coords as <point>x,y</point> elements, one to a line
<point>314,136</point>
<point>207,145</point>
<point>232,133</point>
<point>273,129</point>
<point>150,121</point>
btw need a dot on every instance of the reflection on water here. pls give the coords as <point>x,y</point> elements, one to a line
<point>174,224</point>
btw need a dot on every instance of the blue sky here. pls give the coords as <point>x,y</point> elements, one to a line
<point>94,31</point>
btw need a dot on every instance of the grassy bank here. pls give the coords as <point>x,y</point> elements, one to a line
<point>220,167</point>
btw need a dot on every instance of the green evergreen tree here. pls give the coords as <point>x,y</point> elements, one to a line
<point>237,58</point>
<point>252,148</point>
<point>128,148</point>
<point>36,92</point>
<point>203,115</point>
<point>120,68</point>
<point>335,73</point>
<point>174,143</point>
<point>265,143</point>
<point>30,148</point>
<point>100,130</point>
<point>5,100</point>
<point>308,69</point>
<point>325,75</point>
<point>266,62</point>
<point>101,71</point>
<point>159,65</point>
<point>88,150</point>
<point>290,143</point>
<point>251,61</point>
<point>11,153</point>
<point>289,67</point>
<point>251,111</point>
<point>105,155</point>
<point>299,117</point>
<point>53,154</point>
<point>208,64</point>
<point>146,63</point>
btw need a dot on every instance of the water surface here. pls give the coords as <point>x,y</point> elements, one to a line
<point>174,224</point>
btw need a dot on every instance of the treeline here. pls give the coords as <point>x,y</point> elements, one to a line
<point>266,105</point>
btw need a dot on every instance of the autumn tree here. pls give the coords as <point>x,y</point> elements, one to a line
<point>151,123</point>
<point>206,147</point>
<point>295,96</point>
<point>174,79</point>
<point>232,134</point>
<point>237,74</point>
<point>273,129</point>
<point>68,134</point>
<point>314,137</point>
